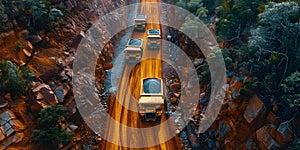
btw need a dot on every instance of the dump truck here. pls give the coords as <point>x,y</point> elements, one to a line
<point>154,39</point>
<point>140,22</point>
<point>151,101</point>
<point>134,50</point>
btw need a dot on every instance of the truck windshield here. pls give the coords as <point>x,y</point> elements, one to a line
<point>140,16</point>
<point>154,32</point>
<point>152,85</point>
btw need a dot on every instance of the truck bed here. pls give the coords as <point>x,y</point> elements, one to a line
<point>135,42</point>
<point>152,86</point>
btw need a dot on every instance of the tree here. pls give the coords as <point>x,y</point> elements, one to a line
<point>50,126</point>
<point>236,18</point>
<point>291,89</point>
<point>273,45</point>
<point>13,79</point>
<point>3,15</point>
<point>42,14</point>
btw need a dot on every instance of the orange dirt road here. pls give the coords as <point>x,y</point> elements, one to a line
<point>128,94</point>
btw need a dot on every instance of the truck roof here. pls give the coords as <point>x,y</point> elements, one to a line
<point>135,42</point>
<point>153,32</point>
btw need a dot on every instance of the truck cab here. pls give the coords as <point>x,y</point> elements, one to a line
<point>151,102</point>
<point>154,39</point>
<point>140,22</point>
<point>134,50</point>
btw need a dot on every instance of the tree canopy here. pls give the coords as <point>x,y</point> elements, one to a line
<point>14,79</point>
<point>50,130</point>
<point>273,44</point>
<point>291,90</point>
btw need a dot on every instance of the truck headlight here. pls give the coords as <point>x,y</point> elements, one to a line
<point>159,111</point>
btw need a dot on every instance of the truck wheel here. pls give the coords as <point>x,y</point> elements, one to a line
<point>158,118</point>
<point>143,118</point>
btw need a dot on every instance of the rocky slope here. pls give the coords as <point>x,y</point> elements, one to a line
<point>50,56</point>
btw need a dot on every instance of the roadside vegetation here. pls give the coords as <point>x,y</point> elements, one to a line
<point>14,79</point>
<point>35,15</point>
<point>52,126</point>
<point>262,37</point>
<point>259,39</point>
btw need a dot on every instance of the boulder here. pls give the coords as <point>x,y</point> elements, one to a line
<point>253,109</point>
<point>272,118</point>
<point>43,96</point>
<point>48,75</point>
<point>28,46</point>
<point>283,134</point>
<point>73,127</point>
<point>265,140</point>
<point>224,129</point>
<point>34,39</point>
<point>72,108</point>
<point>10,128</point>
<point>27,53</point>
<point>59,92</point>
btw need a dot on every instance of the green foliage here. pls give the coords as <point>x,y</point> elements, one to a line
<point>194,6</point>
<point>248,87</point>
<point>13,79</point>
<point>228,62</point>
<point>236,18</point>
<point>205,75</point>
<point>19,46</point>
<point>273,45</point>
<point>50,130</point>
<point>181,4</point>
<point>295,145</point>
<point>3,15</point>
<point>210,5</point>
<point>291,90</point>
<point>42,14</point>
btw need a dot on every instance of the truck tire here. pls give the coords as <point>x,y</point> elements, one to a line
<point>158,118</point>
<point>143,118</point>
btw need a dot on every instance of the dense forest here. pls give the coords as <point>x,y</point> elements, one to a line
<point>259,40</point>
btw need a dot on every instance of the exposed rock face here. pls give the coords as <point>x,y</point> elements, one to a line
<point>41,97</point>
<point>254,107</point>
<point>265,140</point>
<point>10,130</point>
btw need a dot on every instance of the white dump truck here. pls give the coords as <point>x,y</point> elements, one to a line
<point>134,50</point>
<point>154,39</point>
<point>140,22</point>
<point>151,102</point>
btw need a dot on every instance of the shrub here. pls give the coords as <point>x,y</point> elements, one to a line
<point>49,124</point>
